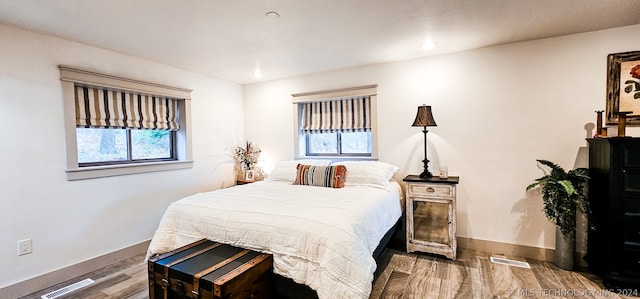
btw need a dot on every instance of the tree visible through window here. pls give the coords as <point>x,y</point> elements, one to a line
<point>339,143</point>
<point>99,146</point>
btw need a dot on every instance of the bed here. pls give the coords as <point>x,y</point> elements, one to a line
<point>321,237</point>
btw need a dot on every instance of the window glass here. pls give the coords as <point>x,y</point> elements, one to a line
<point>322,143</point>
<point>341,143</point>
<point>150,144</point>
<point>101,145</point>
<point>107,146</point>
<point>355,142</point>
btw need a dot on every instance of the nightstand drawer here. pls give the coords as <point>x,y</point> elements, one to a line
<point>430,190</point>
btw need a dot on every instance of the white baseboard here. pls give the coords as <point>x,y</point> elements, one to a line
<point>44,281</point>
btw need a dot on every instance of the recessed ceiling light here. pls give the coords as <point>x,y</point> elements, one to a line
<point>257,74</point>
<point>428,45</point>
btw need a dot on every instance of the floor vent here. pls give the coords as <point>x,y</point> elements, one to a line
<point>503,261</point>
<point>68,289</point>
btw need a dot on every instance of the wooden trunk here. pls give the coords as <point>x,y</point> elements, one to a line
<point>206,269</point>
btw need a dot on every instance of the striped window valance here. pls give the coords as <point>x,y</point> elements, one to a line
<point>103,108</point>
<point>342,115</point>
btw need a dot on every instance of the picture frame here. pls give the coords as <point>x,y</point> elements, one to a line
<point>623,87</point>
<point>249,175</point>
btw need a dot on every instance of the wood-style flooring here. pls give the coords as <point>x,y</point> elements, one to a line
<point>401,276</point>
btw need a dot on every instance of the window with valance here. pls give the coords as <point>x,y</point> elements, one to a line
<point>118,126</point>
<point>336,123</point>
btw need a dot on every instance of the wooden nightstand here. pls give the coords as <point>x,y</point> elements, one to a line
<point>431,215</point>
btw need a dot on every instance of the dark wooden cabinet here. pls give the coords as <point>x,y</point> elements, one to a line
<point>614,225</point>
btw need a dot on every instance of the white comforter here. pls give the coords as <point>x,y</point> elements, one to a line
<point>321,237</point>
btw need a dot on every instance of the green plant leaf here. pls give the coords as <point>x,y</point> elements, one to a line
<point>568,187</point>
<point>532,185</point>
<point>551,165</point>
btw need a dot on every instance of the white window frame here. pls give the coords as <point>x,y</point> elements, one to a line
<point>334,94</point>
<point>70,76</point>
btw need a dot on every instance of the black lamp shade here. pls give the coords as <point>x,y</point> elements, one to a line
<point>424,118</point>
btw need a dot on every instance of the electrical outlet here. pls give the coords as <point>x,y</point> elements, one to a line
<point>24,247</point>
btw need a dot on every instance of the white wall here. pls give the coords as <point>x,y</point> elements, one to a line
<point>72,221</point>
<point>498,109</point>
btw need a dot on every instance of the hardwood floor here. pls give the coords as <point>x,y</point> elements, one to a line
<point>401,276</point>
<point>473,275</point>
<point>124,279</point>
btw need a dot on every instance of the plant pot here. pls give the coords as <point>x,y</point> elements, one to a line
<point>565,248</point>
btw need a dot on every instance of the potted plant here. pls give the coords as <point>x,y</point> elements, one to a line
<point>563,193</point>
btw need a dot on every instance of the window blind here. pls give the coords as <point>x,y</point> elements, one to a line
<point>102,108</point>
<point>343,115</point>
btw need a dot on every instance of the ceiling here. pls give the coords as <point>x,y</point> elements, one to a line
<point>231,39</point>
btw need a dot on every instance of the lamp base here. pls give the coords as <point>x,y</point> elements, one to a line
<point>426,173</point>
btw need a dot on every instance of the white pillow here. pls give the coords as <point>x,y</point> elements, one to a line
<point>286,170</point>
<point>368,173</point>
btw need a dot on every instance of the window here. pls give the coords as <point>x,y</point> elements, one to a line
<point>337,123</point>
<point>117,126</point>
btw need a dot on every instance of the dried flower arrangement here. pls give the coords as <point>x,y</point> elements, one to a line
<point>247,156</point>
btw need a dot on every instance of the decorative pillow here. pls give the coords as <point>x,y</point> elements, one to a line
<point>323,176</point>
<point>369,173</point>
<point>286,170</point>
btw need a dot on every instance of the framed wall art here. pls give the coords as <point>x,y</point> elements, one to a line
<point>623,87</point>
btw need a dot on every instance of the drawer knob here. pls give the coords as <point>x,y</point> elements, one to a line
<point>429,189</point>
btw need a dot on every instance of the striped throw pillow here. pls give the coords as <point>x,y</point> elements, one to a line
<point>323,176</point>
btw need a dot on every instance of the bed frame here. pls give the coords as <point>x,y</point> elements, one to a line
<point>286,288</point>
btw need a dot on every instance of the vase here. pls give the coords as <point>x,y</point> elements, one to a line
<point>565,248</point>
